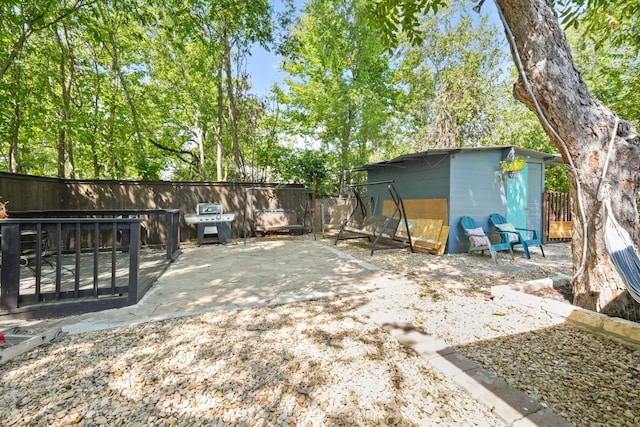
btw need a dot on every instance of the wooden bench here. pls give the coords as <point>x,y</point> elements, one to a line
<point>278,220</point>
<point>375,226</point>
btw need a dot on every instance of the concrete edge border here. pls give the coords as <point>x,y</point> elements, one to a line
<point>510,405</point>
<point>620,330</point>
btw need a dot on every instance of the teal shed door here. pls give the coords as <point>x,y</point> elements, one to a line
<point>517,197</point>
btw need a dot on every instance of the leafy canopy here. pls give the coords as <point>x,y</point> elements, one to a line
<point>615,21</point>
<point>395,17</point>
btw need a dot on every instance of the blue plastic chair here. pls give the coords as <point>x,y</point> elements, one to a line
<point>526,236</point>
<point>476,243</point>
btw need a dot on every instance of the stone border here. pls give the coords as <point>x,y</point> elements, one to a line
<point>512,406</point>
<point>620,330</point>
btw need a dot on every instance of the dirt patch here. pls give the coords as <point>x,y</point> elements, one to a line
<point>559,291</point>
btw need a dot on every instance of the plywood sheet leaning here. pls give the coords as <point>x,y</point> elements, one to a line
<point>444,236</point>
<point>428,223</point>
<point>402,230</point>
<point>421,208</point>
<point>427,235</point>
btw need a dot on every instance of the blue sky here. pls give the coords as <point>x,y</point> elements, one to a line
<point>262,66</point>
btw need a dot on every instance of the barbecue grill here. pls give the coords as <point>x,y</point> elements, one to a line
<point>210,219</point>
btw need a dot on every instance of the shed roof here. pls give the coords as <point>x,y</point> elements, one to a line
<point>522,152</point>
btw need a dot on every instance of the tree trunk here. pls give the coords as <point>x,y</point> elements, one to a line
<point>345,148</point>
<point>219,97</point>
<point>344,158</point>
<point>233,120</point>
<point>67,101</point>
<point>61,153</point>
<point>15,165</point>
<point>113,50</point>
<point>63,112</point>
<point>135,117</point>
<point>200,137</point>
<point>581,127</point>
<point>66,79</point>
<point>113,160</point>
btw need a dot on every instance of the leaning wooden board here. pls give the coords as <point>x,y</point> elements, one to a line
<point>560,229</point>
<point>428,212</point>
<point>427,235</point>
<point>26,342</point>
<point>426,247</point>
<point>421,208</point>
<point>444,236</point>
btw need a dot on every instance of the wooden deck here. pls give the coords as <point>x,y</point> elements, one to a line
<point>152,263</point>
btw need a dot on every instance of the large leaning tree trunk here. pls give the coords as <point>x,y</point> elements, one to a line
<point>582,129</point>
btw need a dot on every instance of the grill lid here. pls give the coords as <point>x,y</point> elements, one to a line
<point>209,208</point>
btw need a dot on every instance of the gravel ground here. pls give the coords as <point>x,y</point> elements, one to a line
<point>300,364</point>
<point>586,379</point>
<point>325,363</point>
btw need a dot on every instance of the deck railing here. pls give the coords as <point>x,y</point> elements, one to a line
<point>64,265</point>
<point>160,226</point>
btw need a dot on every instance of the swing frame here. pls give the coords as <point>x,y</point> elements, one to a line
<point>379,230</point>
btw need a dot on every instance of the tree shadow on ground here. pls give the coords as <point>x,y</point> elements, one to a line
<point>303,363</point>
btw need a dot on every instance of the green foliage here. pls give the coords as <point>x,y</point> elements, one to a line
<point>556,179</point>
<point>604,22</point>
<point>125,89</point>
<point>612,74</point>
<point>517,164</point>
<point>338,91</point>
<point>137,89</point>
<point>395,17</point>
<point>451,81</point>
<point>520,127</point>
<point>308,167</point>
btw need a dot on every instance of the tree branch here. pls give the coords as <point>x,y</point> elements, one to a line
<point>178,153</point>
<point>30,29</point>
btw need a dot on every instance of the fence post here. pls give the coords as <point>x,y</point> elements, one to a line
<point>172,225</point>
<point>134,261</point>
<point>10,272</point>
<point>545,217</point>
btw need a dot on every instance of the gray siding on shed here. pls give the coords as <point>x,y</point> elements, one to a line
<point>426,178</point>
<point>477,190</point>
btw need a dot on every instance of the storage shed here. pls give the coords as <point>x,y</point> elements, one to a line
<point>469,181</point>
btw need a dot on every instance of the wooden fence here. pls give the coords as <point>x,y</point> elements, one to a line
<point>556,217</point>
<point>30,193</point>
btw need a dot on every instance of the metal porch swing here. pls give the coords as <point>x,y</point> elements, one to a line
<point>380,230</point>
